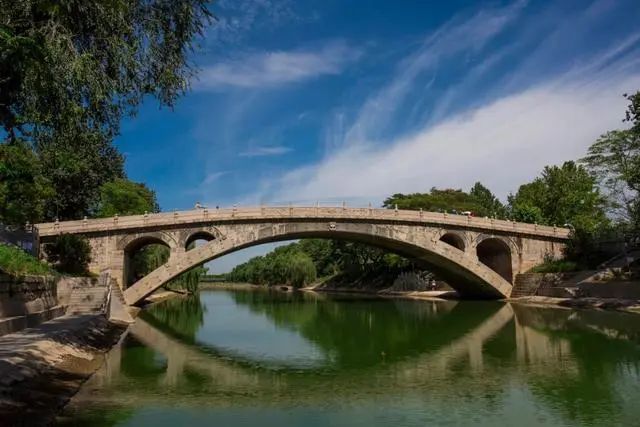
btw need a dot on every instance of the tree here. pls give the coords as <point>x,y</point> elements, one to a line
<point>70,70</point>
<point>73,67</point>
<point>284,265</point>
<point>300,270</point>
<point>523,212</point>
<point>320,251</point>
<point>480,200</point>
<point>69,253</point>
<point>77,169</point>
<point>309,258</point>
<point>489,204</point>
<point>148,259</point>
<point>23,187</point>
<point>632,114</point>
<point>152,256</point>
<point>356,259</point>
<point>436,200</point>
<point>564,195</point>
<point>615,160</point>
<point>124,197</point>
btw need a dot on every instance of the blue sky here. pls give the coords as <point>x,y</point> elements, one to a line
<point>331,100</point>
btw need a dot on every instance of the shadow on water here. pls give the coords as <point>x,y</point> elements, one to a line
<point>483,361</point>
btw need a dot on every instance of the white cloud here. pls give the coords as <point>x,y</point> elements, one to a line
<point>271,69</point>
<point>266,150</point>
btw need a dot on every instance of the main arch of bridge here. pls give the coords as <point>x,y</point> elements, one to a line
<point>478,257</point>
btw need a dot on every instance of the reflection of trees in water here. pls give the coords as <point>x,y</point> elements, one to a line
<point>139,361</point>
<point>361,332</point>
<point>102,416</point>
<point>585,384</point>
<point>181,317</point>
<point>577,366</point>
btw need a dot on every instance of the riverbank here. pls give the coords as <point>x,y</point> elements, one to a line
<point>614,304</point>
<point>617,304</point>
<point>384,293</point>
<point>41,368</point>
<point>228,285</point>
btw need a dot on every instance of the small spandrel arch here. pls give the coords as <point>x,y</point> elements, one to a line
<point>454,240</point>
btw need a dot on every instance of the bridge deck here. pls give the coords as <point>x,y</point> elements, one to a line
<point>199,216</point>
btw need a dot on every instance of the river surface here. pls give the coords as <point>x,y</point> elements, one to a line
<point>260,358</point>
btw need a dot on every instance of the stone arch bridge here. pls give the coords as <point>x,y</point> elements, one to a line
<point>479,257</point>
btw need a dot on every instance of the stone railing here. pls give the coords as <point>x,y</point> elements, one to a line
<point>105,280</point>
<point>199,216</point>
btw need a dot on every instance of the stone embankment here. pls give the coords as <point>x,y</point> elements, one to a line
<point>41,368</point>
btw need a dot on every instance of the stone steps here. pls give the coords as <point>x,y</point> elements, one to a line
<point>87,300</point>
<point>118,310</point>
<point>526,284</point>
<point>116,292</point>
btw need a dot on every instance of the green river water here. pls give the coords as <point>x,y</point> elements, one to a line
<point>260,358</point>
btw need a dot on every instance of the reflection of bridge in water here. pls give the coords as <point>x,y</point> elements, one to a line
<point>232,380</point>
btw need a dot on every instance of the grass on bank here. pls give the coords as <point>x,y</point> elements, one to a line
<point>16,262</point>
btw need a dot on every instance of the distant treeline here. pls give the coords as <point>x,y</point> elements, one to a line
<point>301,263</point>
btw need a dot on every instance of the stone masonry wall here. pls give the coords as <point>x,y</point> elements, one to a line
<point>26,295</point>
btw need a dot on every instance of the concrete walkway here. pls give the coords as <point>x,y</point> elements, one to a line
<point>42,367</point>
<point>24,353</point>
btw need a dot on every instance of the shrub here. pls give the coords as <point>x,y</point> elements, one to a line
<point>69,254</point>
<point>556,266</point>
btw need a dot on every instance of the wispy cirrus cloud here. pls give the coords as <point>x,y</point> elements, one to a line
<point>265,150</point>
<point>503,140</point>
<point>276,68</point>
<point>210,180</point>
<point>455,39</point>
<point>213,177</point>
<point>501,144</point>
<point>237,18</point>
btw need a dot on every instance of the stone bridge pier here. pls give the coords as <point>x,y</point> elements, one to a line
<point>479,257</point>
